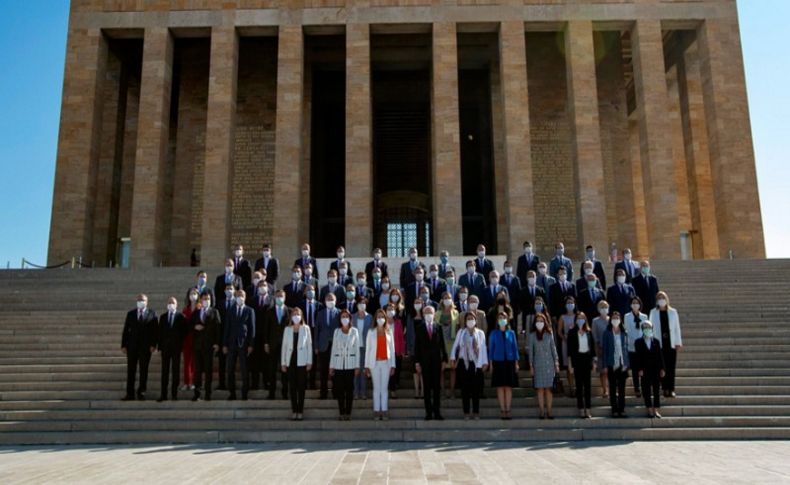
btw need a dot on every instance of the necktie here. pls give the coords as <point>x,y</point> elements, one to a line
<point>170,320</point>
<point>139,315</point>
<point>430,331</point>
<point>203,315</point>
<point>310,314</point>
<point>238,311</point>
<point>532,291</point>
<point>260,300</point>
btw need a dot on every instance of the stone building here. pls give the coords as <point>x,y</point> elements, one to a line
<point>437,123</point>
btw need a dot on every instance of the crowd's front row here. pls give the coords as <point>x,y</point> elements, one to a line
<point>352,347</point>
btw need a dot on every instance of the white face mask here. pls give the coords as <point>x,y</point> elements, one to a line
<point>539,325</point>
<point>481,254</point>
<point>239,301</point>
<point>563,278</point>
<point>603,312</point>
<point>238,253</point>
<point>588,271</point>
<point>447,302</point>
<point>193,297</point>
<point>419,276</point>
<point>267,253</point>
<point>332,280</point>
<point>228,269</point>
<point>171,307</point>
<point>361,307</point>
<point>255,281</point>
<point>385,286</point>
<point>531,281</point>
<point>341,255</point>
<point>508,269</point>
<point>542,271</point>
<point>343,271</point>
<point>391,313</point>
<point>296,318</point>
<point>528,250</point>
<point>381,321</point>
<point>296,276</point>
<point>330,304</point>
<point>140,305</point>
<point>395,298</point>
<point>463,296</point>
<point>305,253</point>
<point>473,306</point>
<point>377,256</point>
<point>206,303</point>
<point>621,279</point>
<point>616,322</point>
<point>470,324</point>
<point>418,306</point>
<point>345,321</point>
<point>434,274</point>
<point>429,318</point>
<point>635,307</point>
<point>661,303</point>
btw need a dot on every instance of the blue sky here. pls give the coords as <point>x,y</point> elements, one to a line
<point>32,53</point>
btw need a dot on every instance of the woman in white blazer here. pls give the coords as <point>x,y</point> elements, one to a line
<point>666,325</point>
<point>296,359</point>
<point>344,364</point>
<point>469,358</point>
<point>380,362</point>
<point>633,330</point>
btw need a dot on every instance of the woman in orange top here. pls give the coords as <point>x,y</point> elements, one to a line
<point>380,362</point>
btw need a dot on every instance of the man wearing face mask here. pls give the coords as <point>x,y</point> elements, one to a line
<point>341,258</point>
<point>350,301</point>
<point>172,330</point>
<point>630,270</point>
<point>558,292</point>
<point>207,328</point>
<point>238,344</point>
<point>527,297</point>
<point>277,319</point>
<point>646,286</point>
<point>412,291</point>
<point>444,266</point>
<point>344,275</point>
<point>451,287</point>
<point>589,297</point>
<point>436,285</point>
<point>528,261</point>
<point>376,263</point>
<point>472,280</point>
<point>260,302</point>
<point>483,265</point>
<point>560,261</point>
<point>429,355</point>
<point>294,290</point>
<point>224,306</point>
<point>543,279</point>
<point>619,294</point>
<point>374,285</point>
<point>327,321</point>
<point>332,286</point>
<point>649,366</point>
<point>587,270</point>
<point>513,286</point>
<point>269,263</point>
<point>138,342</point>
<point>241,267</point>
<point>306,258</point>
<point>362,288</point>
<point>597,265</point>
<point>225,279</point>
<point>202,286</point>
<point>489,296</point>
<point>408,269</point>
<point>310,308</point>
<point>258,281</point>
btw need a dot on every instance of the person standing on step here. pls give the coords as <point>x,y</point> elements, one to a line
<point>395,323</point>
<point>599,325</point>
<point>344,364</point>
<point>172,330</point>
<point>207,327</point>
<point>380,363</point>
<point>296,359</point>
<point>277,319</point>
<point>666,321</point>
<point>238,344</point>
<point>581,363</point>
<point>186,347</point>
<point>615,360</point>
<point>544,363</point>
<point>363,322</point>
<point>503,352</point>
<point>649,366</point>
<point>633,329</point>
<point>327,321</point>
<point>268,263</point>
<point>430,354</point>
<point>470,361</point>
<point>138,342</point>
<point>646,286</point>
<point>448,318</point>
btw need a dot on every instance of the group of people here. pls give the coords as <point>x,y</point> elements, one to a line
<point>454,329</point>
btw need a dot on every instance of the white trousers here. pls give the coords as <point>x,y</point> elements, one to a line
<point>381,380</point>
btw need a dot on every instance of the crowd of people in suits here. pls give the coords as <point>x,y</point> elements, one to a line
<point>452,327</point>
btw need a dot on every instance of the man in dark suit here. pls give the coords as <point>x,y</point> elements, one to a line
<point>597,266</point>
<point>207,328</point>
<point>483,265</point>
<point>238,343</point>
<point>588,268</point>
<point>646,286</point>
<point>408,268</point>
<point>627,265</point>
<point>362,288</point>
<point>429,355</point>
<point>374,284</point>
<point>444,265</point>
<point>488,297</point>
<point>529,293</point>
<point>436,284</point>
<point>559,260</point>
<point>138,342</point>
<point>227,278</point>
<point>588,298</point>
<point>306,258</point>
<point>332,286</point>
<point>526,262</point>
<point>513,286</point>
<point>294,290</point>
<point>260,303</point>
<point>350,302</point>
<point>277,319</point>
<point>308,277</point>
<point>242,266</point>
<point>341,258</point>
<point>619,294</point>
<point>344,276</point>
<point>270,264</point>
<point>259,284</point>
<point>327,320</point>
<point>472,280</point>
<point>376,263</point>
<point>412,291</point>
<point>310,307</point>
<point>450,286</point>
<point>559,291</point>
<point>172,330</point>
<point>224,305</point>
<point>202,287</point>
<point>650,368</point>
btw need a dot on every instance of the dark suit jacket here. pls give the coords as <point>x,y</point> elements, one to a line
<point>524,265</point>
<point>527,301</point>
<point>272,269</point>
<point>581,284</point>
<point>239,331</point>
<point>573,345</point>
<point>139,335</point>
<point>317,307</point>
<point>260,318</point>
<point>273,328</point>
<point>242,269</point>
<point>484,268</point>
<point>476,286</point>
<point>646,289</point>
<point>301,263</point>
<point>443,268</point>
<point>630,270</point>
<point>487,300</point>
<point>294,293</point>
<point>369,269</point>
<point>437,288</point>
<point>171,339</point>
<point>597,271</point>
<point>620,298</point>
<point>211,334</point>
<point>588,302</point>
<point>336,266</point>
<point>557,295</point>
<point>429,352</point>
<point>339,292</point>
<point>407,274</point>
<point>649,361</point>
<point>219,287</point>
<point>324,332</point>
<point>513,289</point>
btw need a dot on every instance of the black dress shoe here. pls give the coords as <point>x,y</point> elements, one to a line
<point>222,387</point>
<point>127,398</point>
<point>428,417</point>
<point>438,417</point>
<point>232,397</point>
<point>270,397</point>
<point>208,397</point>
<point>140,396</point>
<point>161,399</point>
<point>243,397</point>
<point>196,397</point>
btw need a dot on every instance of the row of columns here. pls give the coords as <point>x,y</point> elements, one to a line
<point>723,93</point>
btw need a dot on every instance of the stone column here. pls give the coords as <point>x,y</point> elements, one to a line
<point>518,199</point>
<point>288,140</point>
<point>585,134</point>
<point>71,227</point>
<point>359,201</point>
<point>446,173</point>
<point>655,137</point>
<point>730,139</point>
<point>220,128</point>
<point>152,152</point>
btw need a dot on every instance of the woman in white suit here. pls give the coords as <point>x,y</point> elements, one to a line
<point>666,326</point>
<point>344,364</point>
<point>469,359</point>
<point>380,362</point>
<point>296,359</point>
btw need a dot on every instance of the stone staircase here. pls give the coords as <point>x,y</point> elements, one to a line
<point>62,373</point>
